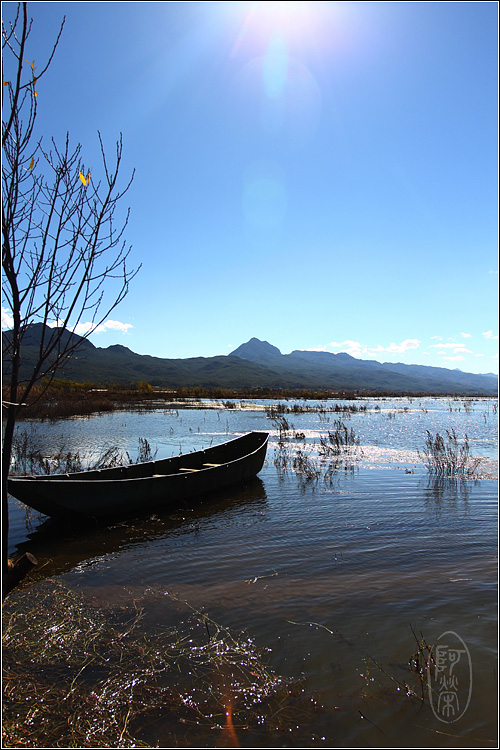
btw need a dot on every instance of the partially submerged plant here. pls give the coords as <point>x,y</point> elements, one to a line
<point>415,682</point>
<point>338,441</point>
<point>77,675</point>
<point>283,426</point>
<point>306,467</point>
<point>446,457</point>
<point>28,458</point>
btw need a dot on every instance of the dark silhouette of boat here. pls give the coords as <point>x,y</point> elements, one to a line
<point>141,488</point>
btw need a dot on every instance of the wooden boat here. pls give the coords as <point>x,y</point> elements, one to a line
<point>137,488</point>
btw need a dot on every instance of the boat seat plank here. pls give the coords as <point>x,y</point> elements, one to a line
<point>211,464</point>
<point>181,469</point>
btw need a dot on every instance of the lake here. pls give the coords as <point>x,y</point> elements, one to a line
<point>338,577</point>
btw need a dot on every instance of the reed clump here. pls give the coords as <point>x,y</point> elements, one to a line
<point>338,441</point>
<point>283,426</point>
<point>322,410</point>
<point>76,675</point>
<point>337,451</point>
<point>447,457</point>
<point>306,467</point>
<point>29,458</point>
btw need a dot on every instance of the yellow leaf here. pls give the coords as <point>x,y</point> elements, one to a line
<point>31,163</point>
<point>88,177</point>
<point>83,179</point>
<point>6,83</point>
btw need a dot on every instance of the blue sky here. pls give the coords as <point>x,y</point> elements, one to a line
<point>318,175</point>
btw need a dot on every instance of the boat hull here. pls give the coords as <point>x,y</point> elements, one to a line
<point>140,488</point>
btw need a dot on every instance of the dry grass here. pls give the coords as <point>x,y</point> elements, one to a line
<point>448,458</point>
<point>338,441</point>
<point>76,675</point>
<point>337,451</point>
<point>29,458</point>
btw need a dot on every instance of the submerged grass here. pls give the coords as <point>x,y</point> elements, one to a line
<point>337,451</point>
<point>338,441</point>
<point>447,457</point>
<point>78,675</point>
<point>29,458</point>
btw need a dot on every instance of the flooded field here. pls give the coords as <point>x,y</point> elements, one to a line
<point>341,570</point>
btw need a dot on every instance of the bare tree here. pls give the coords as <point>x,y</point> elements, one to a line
<point>64,260</point>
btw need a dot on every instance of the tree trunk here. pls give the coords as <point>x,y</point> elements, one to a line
<point>16,572</point>
<point>6,456</point>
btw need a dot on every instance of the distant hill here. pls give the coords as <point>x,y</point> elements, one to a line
<point>348,373</point>
<point>255,364</point>
<point>257,351</point>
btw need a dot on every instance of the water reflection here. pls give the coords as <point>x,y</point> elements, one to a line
<point>449,488</point>
<point>61,545</point>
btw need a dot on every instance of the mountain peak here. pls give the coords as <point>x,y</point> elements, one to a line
<point>256,351</point>
<point>33,333</point>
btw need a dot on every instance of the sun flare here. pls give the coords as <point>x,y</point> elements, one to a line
<point>289,19</point>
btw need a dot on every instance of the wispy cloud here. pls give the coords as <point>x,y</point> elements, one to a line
<point>458,350</point>
<point>82,329</point>
<point>7,319</point>
<point>357,349</point>
<point>109,325</point>
<point>448,345</point>
<point>466,335</point>
<point>401,348</point>
<point>489,335</point>
<point>117,325</point>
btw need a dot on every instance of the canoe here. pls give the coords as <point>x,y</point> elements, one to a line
<point>138,488</point>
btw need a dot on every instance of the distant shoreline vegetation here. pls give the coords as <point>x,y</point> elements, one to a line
<point>63,398</point>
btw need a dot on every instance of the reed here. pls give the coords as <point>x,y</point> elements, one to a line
<point>307,469</point>
<point>448,457</point>
<point>338,441</point>
<point>322,410</point>
<point>415,685</point>
<point>29,458</point>
<point>281,459</point>
<point>283,426</point>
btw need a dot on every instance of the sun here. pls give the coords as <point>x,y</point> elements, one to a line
<point>293,22</point>
<point>288,19</point>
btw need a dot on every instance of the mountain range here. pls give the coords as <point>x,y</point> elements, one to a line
<point>255,364</point>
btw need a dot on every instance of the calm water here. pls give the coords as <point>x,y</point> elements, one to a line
<point>333,577</point>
